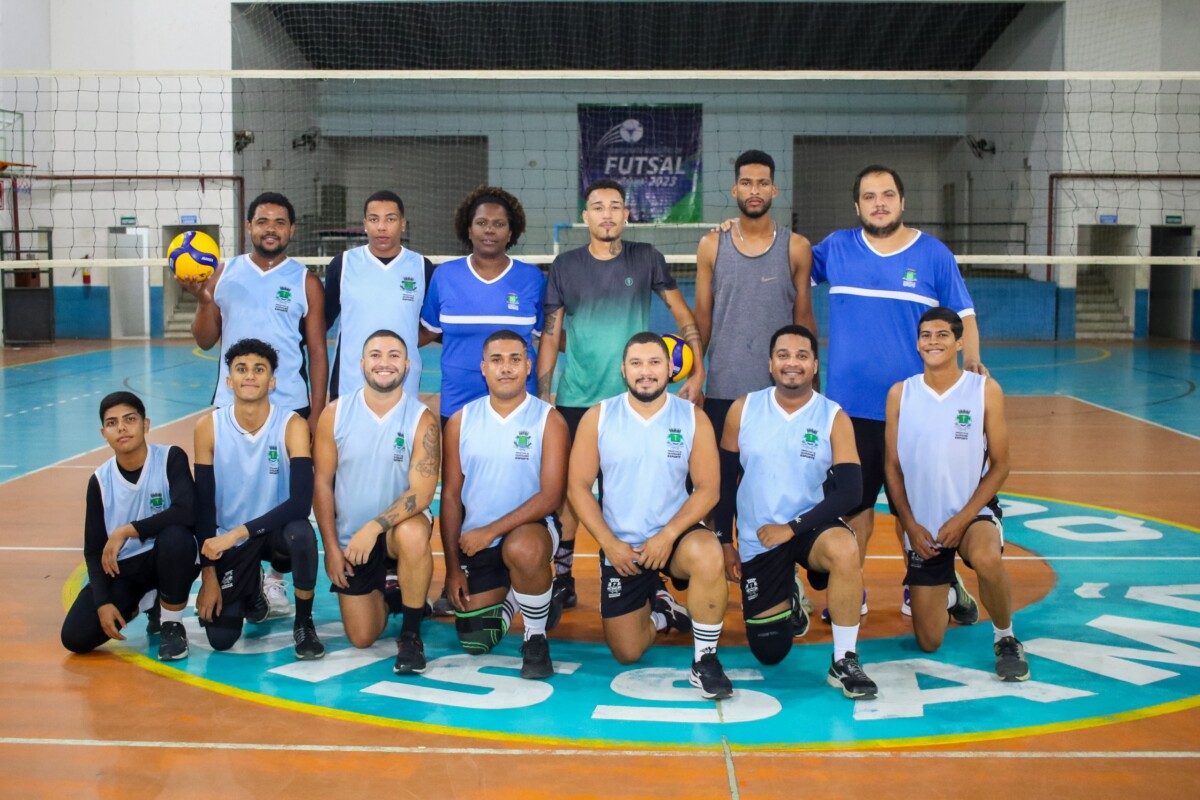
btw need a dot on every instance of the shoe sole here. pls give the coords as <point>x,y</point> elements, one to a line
<point>536,674</point>
<point>1013,678</point>
<point>408,670</point>
<point>694,680</point>
<point>179,657</point>
<point>837,684</point>
<point>316,657</point>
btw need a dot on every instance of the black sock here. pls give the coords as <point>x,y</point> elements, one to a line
<point>410,619</point>
<point>303,609</point>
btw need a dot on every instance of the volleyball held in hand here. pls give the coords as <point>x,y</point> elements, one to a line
<point>193,255</point>
<point>679,353</point>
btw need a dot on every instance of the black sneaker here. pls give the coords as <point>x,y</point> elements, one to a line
<point>172,642</point>
<point>848,676</point>
<point>676,615</point>
<point>410,655</point>
<point>308,645</point>
<point>1011,666</point>
<point>154,625</point>
<point>261,608</point>
<point>535,658</point>
<point>564,590</point>
<point>554,615</point>
<point>965,610</point>
<point>799,613</point>
<point>709,677</point>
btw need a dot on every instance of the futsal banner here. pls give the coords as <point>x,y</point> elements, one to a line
<point>653,151</point>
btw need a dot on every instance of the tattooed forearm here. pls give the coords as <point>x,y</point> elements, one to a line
<point>410,504</point>
<point>545,382</point>
<point>431,461</point>
<point>691,335</point>
<point>551,326</point>
<point>662,295</point>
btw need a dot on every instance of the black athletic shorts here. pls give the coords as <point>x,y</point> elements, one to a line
<point>939,570</point>
<point>717,410</point>
<point>620,595</point>
<point>239,574</point>
<point>767,578</point>
<point>371,576</point>
<point>486,569</point>
<point>872,443</point>
<point>573,415</point>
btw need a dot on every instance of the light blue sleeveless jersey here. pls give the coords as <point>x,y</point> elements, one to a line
<point>501,458</point>
<point>785,459</point>
<point>374,457</point>
<point>645,465</point>
<point>251,471</point>
<point>268,306</point>
<point>376,296</point>
<point>126,502</point>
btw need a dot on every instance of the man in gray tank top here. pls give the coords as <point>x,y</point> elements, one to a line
<point>751,280</point>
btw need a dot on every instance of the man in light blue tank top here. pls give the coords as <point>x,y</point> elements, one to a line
<point>376,456</point>
<point>138,536</point>
<point>253,496</point>
<point>504,475</point>
<point>935,458</point>
<point>794,449</point>
<point>648,442</point>
<point>261,301</point>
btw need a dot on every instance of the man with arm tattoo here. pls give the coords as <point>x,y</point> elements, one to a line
<point>597,297</point>
<point>382,445</point>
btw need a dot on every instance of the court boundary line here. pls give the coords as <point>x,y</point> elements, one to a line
<point>726,753</point>
<point>1127,415</point>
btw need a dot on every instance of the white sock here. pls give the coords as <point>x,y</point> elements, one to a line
<point>167,615</point>
<point>659,619</point>
<point>535,608</point>
<point>951,597</point>
<point>845,640</point>
<point>704,637</point>
<point>510,608</point>
<point>997,633</point>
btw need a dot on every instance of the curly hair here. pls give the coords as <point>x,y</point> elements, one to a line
<point>465,213</point>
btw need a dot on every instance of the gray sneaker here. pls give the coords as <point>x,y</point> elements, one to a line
<point>1011,666</point>
<point>965,611</point>
<point>172,642</point>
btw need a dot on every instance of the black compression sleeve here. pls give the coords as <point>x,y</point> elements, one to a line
<point>297,505</point>
<point>429,268</point>
<point>183,494</point>
<point>843,491</point>
<point>206,507</point>
<point>95,536</point>
<point>723,514</point>
<point>333,291</point>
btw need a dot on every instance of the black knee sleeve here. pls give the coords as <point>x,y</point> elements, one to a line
<point>223,633</point>
<point>301,542</point>
<point>770,640</point>
<point>480,631</point>
<point>175,552</point>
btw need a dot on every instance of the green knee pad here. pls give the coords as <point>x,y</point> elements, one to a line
<point>480,631</point>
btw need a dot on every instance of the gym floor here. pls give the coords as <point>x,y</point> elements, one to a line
<point>1101,523</point>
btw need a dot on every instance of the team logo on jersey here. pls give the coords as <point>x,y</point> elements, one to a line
<point>409,286</point>
<point>156,502</point>
<point>812,440</point>
<point>910,278</point>
<point>674,443</point>
<point>283,298</point>
<point>751,589</point>
<point>273,460</point>
<point>614,587</point>
<point>514,302</point>
<point>963,422</point>
<point>522,442</point>
<point>628,281</point>
<point>398,447</point>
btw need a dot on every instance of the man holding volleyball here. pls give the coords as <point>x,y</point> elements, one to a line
<point>597,297</point>
<point>647,442</point>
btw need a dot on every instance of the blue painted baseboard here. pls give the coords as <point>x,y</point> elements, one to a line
<point>1141,313</point>
<point>1065,321</point>
<point>81,312</point>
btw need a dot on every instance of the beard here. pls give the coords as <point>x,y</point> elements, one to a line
<point>647,397</point>
<point>384,388</point>
<point>756,213</point>
<point>270,253</point>
<point>882,231</point>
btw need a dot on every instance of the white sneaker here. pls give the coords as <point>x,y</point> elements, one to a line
<point>277,597</point>
<point>905,607</point>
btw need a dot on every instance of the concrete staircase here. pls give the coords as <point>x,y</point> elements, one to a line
<point>179,324</point>
<point>1097,313</point>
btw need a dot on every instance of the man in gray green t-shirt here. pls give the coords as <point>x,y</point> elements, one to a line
<point>597,297</point>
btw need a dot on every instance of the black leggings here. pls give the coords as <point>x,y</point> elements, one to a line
<point>170,568</point>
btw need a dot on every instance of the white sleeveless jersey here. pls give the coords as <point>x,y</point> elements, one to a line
<point>374,457</point>
<point>501,458</point>
<point>645,465</point>
<point>268,305</point>
<point>126,502</point>
<point>376,296</point>
<point>942,447</point>
<point>785,458</point>
<point>251,471</point>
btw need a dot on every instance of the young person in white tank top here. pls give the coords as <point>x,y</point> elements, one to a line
<point>946,458</point>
